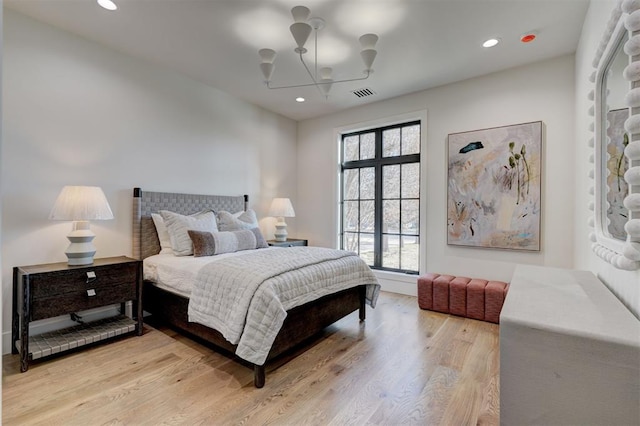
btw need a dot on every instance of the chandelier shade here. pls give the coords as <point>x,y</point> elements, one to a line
<point>301,30</point>
<point>300,13</point>
<point>368,56</point>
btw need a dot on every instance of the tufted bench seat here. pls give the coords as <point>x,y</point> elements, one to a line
<point>467,297</point>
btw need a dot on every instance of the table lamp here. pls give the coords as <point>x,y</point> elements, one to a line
<point>281,208</point>
<point>81,204</point>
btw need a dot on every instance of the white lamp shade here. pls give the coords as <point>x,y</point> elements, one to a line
<point>267,55</point>
<point>281,207</point>
<point>300,13</point>
<point>326,85</point>
<point>300,32</point>
<point>81,203</point>
<point>326,80</point>
<point>368,56</point>
<point>368,41</point>
<point>267,70</point>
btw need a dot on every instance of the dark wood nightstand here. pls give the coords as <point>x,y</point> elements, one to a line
<point>289,243</point>
<point>49,290</point>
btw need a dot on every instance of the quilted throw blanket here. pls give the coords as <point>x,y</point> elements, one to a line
<point>246,297</point>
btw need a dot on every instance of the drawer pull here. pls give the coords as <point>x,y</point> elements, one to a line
<point>91,292</point>
<point>91,276</point>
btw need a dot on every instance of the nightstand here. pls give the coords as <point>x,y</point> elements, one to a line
<point>54,289</point>
<point>289,243</point>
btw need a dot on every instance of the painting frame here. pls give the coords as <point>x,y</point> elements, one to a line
<point>494,187</point>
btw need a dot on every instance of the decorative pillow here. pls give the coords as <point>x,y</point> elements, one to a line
<point>212,243</point>
<point>178,225</point>
<point>260,241</point>
<point>231,222</point>
<point>163,235</point>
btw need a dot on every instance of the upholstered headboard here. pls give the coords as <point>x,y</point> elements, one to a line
<point>145,237</point>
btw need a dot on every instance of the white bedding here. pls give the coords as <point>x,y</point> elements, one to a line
<point>245,295</point>
<point>177,273</point>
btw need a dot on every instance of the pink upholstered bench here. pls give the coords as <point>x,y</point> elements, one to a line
<point>465,297</point>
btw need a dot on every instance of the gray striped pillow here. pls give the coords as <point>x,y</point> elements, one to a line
<point>212,243</point>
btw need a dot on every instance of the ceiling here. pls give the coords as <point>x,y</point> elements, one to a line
<point>423,43</point>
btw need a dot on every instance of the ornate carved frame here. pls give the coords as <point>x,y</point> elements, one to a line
<point>622,255</point>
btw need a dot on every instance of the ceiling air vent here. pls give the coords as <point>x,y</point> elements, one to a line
<point>363,93</point>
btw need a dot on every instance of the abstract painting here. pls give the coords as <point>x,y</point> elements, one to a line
<point>617,165</point>
<point>493,194</point>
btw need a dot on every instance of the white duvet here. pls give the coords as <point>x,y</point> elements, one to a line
<point>178,273</point>
<point>245,297</point>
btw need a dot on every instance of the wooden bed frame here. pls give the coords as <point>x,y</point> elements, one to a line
<point>302,322</point>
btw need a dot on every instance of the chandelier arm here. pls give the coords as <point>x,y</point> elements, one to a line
<point>317,84</point>
<point>315,52</point>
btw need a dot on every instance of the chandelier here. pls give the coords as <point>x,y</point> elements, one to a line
<point>301,30</point>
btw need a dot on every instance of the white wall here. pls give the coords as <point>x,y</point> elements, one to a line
<point>1,105</point>
<point>626,285</point>
<point>78,113</point>
<point>542,91</point>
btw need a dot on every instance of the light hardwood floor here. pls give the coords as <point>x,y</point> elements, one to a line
<point>402,366</point>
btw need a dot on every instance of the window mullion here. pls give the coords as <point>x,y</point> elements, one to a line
<point>378,202</point>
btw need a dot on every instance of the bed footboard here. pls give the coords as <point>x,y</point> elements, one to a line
<point>302,322</point>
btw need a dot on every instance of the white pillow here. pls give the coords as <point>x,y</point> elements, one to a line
<point>178,225</point>
<point>163,235</point>
<point>231,222</point>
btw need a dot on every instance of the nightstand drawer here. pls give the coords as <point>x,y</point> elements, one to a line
<point>66,283</point>
<point>80,300</point>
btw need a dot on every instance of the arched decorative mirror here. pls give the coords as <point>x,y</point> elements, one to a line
<point>616,141</point>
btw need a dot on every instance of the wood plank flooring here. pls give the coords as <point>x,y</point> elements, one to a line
<point>402,366</point>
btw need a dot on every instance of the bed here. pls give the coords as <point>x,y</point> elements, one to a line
<point>171,303</point>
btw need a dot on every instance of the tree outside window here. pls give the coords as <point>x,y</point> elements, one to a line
<point>381,196</point>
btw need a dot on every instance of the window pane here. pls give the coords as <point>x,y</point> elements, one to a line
<point>410,216</point>
<point>391,143</point>
<point>390,182</point>
<point>390,251</point>
<point>350,216</point>
<point>351,184</point>
<point>367,183</point>
<point>411,180</point>
<point>366,248</point>
<point>367,146</point>
<point>367,216</point>
<point>411,140</point>
<point>391,216</point>
<point>350,241</point>
<point>380,184</point>
<point>351,148</point>
<point>410,254</point>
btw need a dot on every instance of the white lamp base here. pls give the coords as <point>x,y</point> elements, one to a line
<point>81,250</point>
<point>281,230</point>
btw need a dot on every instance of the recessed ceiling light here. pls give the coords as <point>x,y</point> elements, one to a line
<point>300,99</point>
<point>107,4</point>
<point>491,42</point>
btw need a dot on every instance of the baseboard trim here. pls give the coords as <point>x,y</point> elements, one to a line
<point>397,283</point>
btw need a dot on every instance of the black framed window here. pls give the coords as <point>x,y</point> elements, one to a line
<point>380,197</point>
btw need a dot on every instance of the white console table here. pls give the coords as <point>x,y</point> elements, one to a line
<point>569,352</point>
